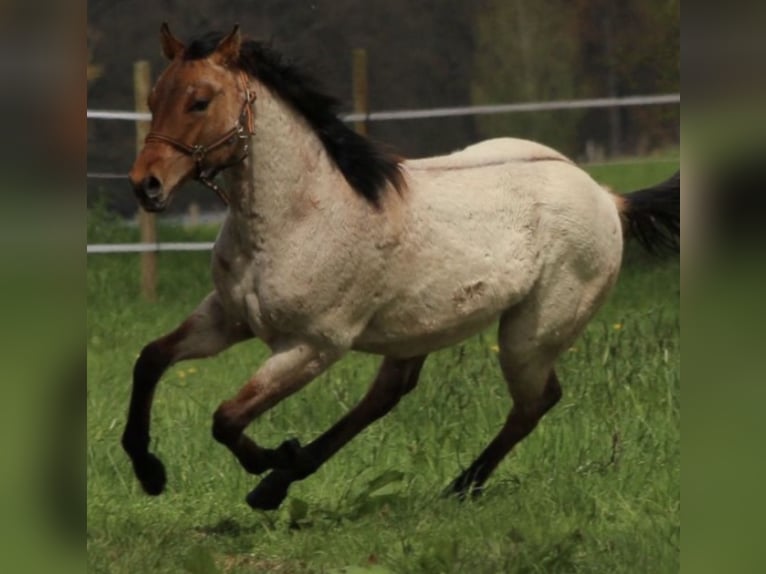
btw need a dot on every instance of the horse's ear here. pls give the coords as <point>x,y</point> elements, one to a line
<point>227,51</point>
<point>171,46</point>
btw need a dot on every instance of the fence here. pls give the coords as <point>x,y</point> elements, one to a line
<point>149,246</point>
<point>361,118</point>
<point>394,115</point>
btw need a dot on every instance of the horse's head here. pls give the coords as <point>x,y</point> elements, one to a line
<point>201,120</point>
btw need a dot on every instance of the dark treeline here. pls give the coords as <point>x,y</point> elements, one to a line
<point>423,54</point>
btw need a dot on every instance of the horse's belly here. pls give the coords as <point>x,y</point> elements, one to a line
<point>422,322</point>
<point>416,343</point>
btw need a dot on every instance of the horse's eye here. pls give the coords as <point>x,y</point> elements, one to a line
<point>199,105</point>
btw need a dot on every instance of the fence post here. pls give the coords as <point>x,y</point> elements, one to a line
<point>359,87</point>
<point>192,216</point>
<point>146,220</point>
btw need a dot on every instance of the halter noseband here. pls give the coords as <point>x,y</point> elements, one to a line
<point>241,131</point>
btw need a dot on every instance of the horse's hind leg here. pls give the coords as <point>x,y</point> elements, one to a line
<point>204,333</point>
<point>522,419</point>
<point>534,387</point>
<point>395,378</point>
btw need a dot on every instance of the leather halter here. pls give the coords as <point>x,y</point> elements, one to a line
<point>241,132</point>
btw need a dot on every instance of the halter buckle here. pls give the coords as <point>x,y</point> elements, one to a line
<point>198,153</point>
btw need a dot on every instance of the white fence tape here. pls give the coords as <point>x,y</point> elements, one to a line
<point>101,175</point>
<point>516,108</point>
<point>147,247</point>
<point>395,115</point>
<point>116,115</point>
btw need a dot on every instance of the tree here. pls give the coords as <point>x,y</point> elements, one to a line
<point>527,50</point>
<point>630,48</point>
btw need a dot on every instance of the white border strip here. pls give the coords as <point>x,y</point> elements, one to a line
<point>516,108</point>
<point>117,115</point>
<point>147,247</point>
<point>395,115</point>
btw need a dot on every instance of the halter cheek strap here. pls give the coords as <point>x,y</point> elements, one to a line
<point>241,132</point>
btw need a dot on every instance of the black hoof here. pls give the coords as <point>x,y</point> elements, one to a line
<point>284,457</point>
<point>151,474</point>
<point>287,453</point>
<point>270,493</point>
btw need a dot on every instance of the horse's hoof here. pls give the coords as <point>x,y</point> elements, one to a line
<point>269,494</point>
<point>284,457</point>
<point>292,457</point>
<point>151,474</point>
<point>287,453</point>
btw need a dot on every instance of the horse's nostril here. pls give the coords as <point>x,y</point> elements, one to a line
<point>151,187</point>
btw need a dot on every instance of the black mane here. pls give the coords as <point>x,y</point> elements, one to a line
<point>366,166</point>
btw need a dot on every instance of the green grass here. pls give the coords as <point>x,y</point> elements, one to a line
<point>596,488</point>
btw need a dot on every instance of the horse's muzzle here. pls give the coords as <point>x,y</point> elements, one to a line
<point>149,192</point>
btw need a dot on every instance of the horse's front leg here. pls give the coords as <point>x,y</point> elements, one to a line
<point>396,377</point>
<point>204,333</point>
<point>292,365</point>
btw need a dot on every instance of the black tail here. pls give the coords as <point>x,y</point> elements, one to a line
<point>653,215</point>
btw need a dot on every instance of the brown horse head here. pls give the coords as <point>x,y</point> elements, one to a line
<point>201,120</point>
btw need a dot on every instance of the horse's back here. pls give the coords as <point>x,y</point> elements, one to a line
<point>487,153</point>
<point>505,187</point>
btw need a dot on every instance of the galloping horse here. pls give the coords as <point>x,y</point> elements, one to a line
<point>331,243</point>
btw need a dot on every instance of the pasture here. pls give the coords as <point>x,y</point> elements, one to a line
<point>595,488</point>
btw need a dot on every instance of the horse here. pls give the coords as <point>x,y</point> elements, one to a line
<point>333,243</point>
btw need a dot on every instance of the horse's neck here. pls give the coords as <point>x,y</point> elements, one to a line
<point>287,173</point>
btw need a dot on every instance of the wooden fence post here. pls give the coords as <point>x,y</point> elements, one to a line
<point>146,220</point>
<point>359,87</point>
<point>192,216</point>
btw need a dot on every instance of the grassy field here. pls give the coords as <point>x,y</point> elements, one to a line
<point>596,488</point>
